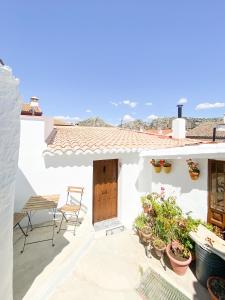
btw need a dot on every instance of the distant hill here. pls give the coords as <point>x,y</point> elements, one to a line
<point>93,122</point>
<point>166,123</point>
<point>136,125</point>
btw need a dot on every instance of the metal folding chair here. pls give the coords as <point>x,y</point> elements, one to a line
<point>71,208</point>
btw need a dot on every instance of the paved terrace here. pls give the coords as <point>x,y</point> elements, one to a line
<point>89,266</point>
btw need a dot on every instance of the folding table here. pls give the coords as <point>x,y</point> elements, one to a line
<point>37,203</point>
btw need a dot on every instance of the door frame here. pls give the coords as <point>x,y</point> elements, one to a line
<point>117,182</point>
<point>210,211</point>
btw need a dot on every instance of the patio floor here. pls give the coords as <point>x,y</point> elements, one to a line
<point>89,266</point>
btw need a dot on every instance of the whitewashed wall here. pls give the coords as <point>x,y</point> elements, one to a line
<point>10,107</point>
<point>191,195</point>
<point>40,174</point>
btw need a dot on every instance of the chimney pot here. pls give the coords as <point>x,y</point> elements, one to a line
<point>179,112</point>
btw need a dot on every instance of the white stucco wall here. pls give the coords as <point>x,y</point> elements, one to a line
<point>10,106</point>
<point>191,195</point>
<point>40,174</point>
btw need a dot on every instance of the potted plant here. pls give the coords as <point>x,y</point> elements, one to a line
<point>139,223</point>
<point>159,247</point>
<point>146,233</point>
<point>167,166</point>
<point>216,287</point>
<point>193,168</point>
<point>146,204</point>
<point>156,164</point>
<point>180,257</point>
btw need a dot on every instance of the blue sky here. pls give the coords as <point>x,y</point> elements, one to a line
<point>109,58</point>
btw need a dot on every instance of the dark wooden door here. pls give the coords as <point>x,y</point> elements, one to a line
<point>105,175</point>
<point>216,193</point>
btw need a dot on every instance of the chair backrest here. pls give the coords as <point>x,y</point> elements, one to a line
<point>75,189</point>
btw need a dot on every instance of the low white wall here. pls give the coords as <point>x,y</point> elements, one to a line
<point>10,107</point>
<point>191,195</point>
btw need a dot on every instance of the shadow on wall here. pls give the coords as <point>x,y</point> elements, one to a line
<point>72,160</point>
<point>23,191</point>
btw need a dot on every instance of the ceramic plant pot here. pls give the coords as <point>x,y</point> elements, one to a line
<point>216,287</point>
<point>157,169</point>
<point>167,169</point>
<point>194,175</point>
<point>159,248</point>
<point>179,267</point>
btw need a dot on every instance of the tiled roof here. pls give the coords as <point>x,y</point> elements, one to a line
<point>27,110</point>
<point>104,139</point>
<point>205,131</point>
<point>160,132</point>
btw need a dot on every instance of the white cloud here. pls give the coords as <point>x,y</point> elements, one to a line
<point>132,104</point>
<point>182,101</point>
<point>127,118</point>
<point>148,103</point>
<point>115,103</point>
<point>88,110</point>
<point>208,105</point>
<point>67,118</point>
<point>152,117</point>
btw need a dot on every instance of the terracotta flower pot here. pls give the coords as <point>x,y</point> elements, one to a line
<point>146,237</point>
<point>147,209</point>
<point>215,287</point>
<point>194,175</point>
<point>159,250</point>
<point>179,267</point>
<point>157,169</point>
<point>167,169</point>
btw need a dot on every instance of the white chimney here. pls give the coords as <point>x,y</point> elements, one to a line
<point>179,125</point>
<point>179,128</point>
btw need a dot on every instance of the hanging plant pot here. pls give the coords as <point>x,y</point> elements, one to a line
<point>167,169</point>
<point>157,169</point>
<point>194,175</point>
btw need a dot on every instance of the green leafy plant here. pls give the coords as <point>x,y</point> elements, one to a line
<point>166,163</point>
<point>140,222</point>
<point>193,166</point>
<point>155,163</point>
<point>179,250</point>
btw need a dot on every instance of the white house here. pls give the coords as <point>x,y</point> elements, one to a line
<point>112,165</point>
<point>10,107</point>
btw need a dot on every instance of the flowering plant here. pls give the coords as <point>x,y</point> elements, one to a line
<point>166,163</point>
<point>160,163</point>
<point>155,163</point>
<point>193,166</point>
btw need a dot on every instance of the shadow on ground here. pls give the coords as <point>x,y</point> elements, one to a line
<point>35,258</point>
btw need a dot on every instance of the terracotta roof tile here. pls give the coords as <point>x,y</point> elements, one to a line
<point>27,110</point>
<point>83,139</point>
<point>205,131</point>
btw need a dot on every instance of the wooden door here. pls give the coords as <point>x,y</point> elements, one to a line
<point>105,174</point>
<point>216,193</point>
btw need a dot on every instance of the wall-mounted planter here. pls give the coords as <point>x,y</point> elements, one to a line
<point>194,175</point>
<point>167,169</point>
<point>157,169</point>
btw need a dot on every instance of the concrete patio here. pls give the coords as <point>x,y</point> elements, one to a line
<point>89,266</point>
